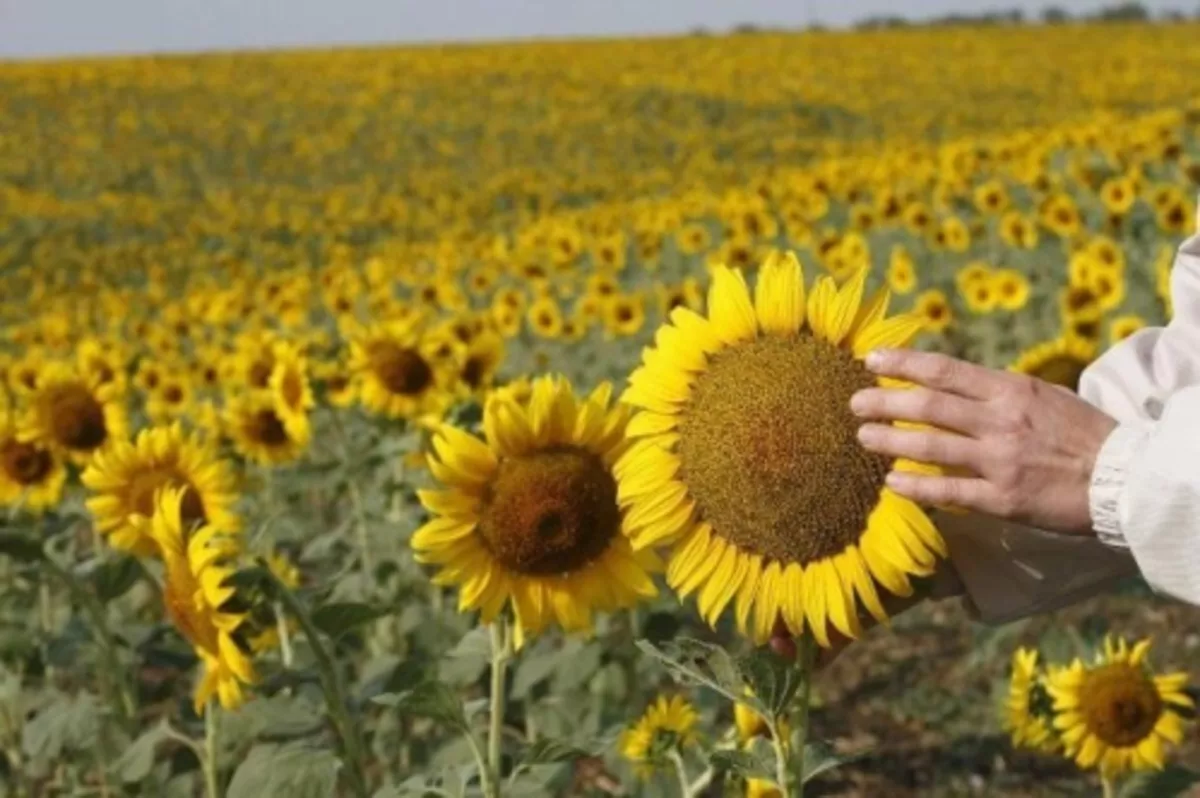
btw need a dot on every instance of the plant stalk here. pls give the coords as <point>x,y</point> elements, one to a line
<point>501,633</point>
<point>1108,786</point>
<point>212,787</point>
<point>805,659</point>
<point>285,636</point>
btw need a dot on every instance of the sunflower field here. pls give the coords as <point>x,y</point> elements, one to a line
<point>474,420</point>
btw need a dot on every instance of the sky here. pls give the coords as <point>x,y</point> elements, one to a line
<point>40,28</point>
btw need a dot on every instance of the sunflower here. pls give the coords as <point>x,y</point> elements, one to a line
<point>530,517</point>
<point>125,478</point>
<point>747,456</point>
<point>624,315</point>
<point>1011,289</point>
<point>545,318</point>
<point>1017,231</point>
<point>902,272</point>
<point>933,309</point>
<point>291,390</point>
<point>103,361</point>
<point>172,399</point>
<point>1061,361</point>
<point>1116,715</point>
<point>397,376</point>
<point>31,475</point>
<point>1124,326</point>
<point>258,431</point>
<point>72,414</point>
<point>1027,710</point>
<point>481,360</point>
<point>196,588</point>
<point>669,724</point>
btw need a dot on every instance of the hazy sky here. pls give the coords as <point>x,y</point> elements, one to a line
<point>55,27</point>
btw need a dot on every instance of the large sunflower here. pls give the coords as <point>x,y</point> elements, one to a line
<point>73,414</point>
<point>195,594</point>
<point>396,376</point>
<point>1061,361</point>
<point>747,456</point>
<point>126,477</point>
<point>1027,710</point>
<point>1116,715</point>
<point>530,516</point>
<point>31,476</point>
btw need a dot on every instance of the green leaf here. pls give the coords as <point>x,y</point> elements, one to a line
<point>1167,783</point>
<point>533,668</point>
<point>747,764</point>
<point>340,617</point>
<point>773,680</point>
<point>138,760</point>
<point>113,578</point>
<point>694,663</point>
<point>547,751</point>
<point>820,758</point>
<point>285,771</point>
<point>467,660</point>
<point>21,547</point>
<point>432,700</point>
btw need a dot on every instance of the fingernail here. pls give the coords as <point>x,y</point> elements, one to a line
<point>895,479</point>
<point>858,404</point>
<point>866,434</point>
<point>874,359</point>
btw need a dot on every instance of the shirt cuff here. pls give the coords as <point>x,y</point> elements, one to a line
<point>1108,481</point>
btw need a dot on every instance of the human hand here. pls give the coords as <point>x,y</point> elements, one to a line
<point>1019,448</point>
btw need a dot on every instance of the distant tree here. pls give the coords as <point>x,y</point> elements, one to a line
<point>1056,15</point>
<point>884,22</point>
<point>1173,15</point>
<point>1123,12</point>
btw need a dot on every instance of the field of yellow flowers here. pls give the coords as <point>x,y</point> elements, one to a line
<point>452,421</point>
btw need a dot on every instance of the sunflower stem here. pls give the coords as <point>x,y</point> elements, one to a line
<point>212,786</point>
<point>1108,786</point>
<point>501,633</point>
<point>685,784</point>
<point>804,663</point>
<point>332,685</point>
<point>285,636</point>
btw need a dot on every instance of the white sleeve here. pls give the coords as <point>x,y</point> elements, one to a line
<point>1145,495</point>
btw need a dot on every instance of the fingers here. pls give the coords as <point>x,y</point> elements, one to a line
<point>925,446</point>
<point>936,371</point>
<point>964,492</point>
<point>945,410</point>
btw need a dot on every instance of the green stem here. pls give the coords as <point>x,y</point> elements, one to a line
<point>285,635</point>
<point>685,784</point>
<point>126,704</point>
<point>501,653</point>
<point>1108,786</point>
<point>212,787</point>
<point>805,658</point>
<point>783,775</point>
<point>331,684</point>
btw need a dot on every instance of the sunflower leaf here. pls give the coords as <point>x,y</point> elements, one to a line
<point>1160,784</point>
<point>22,547</point>
<point>820,758</point>
<point>694,663</point>
<point>546,751</point>
<point>113,578</point>
<point>341,617</point>
<point>432,700</point>
<point>747,764</point>
<point>772,679</point>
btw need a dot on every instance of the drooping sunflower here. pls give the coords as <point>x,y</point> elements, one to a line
<point>747,458</point>
<point>529,516</point>
<point>396,376</point>
<point>258,432</point>
<point>196,590</point>
<point>31,475</point>
<point>291,390</point>
<point>125,478</point>
<point>1061,361</point>
<point>1116,715</point>
<point>669,724</point>
<point>1027,711</point>
<point>72,414</point>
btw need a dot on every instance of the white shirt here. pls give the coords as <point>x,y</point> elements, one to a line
<point>1145,491</point>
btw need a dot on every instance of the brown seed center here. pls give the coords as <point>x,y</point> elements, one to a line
<point>77,418</point>
<point>1120,704</point>
<point>770,453</point>
<point>144,486</point>
<point>550,512</point>
<point>400,369</point>
<point>25,463</point>
<point>267,428</point>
